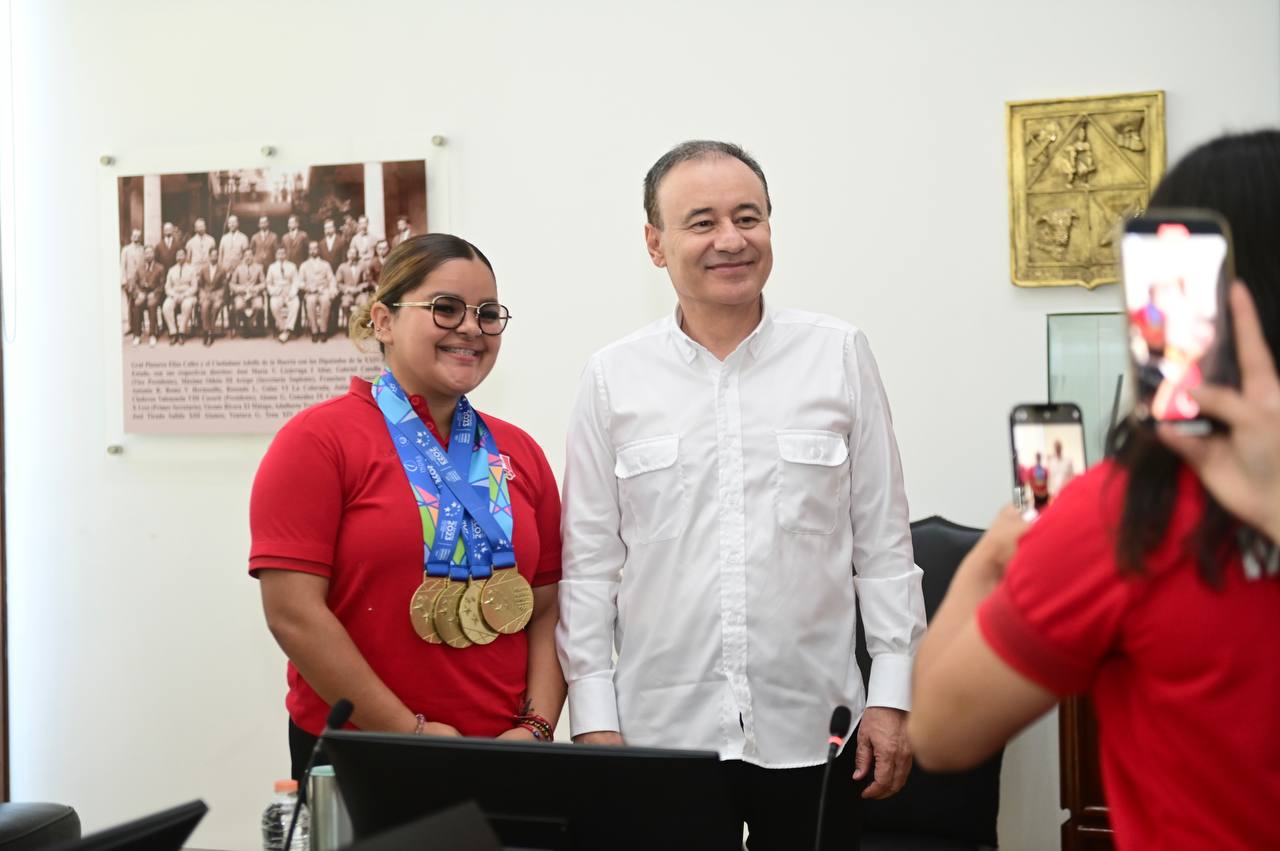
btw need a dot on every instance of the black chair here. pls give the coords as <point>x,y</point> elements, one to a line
<point>28,826</point>
<point>936,812</point>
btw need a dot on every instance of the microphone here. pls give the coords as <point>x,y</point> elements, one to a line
<point>840,721</point>
<point>838,729</point>
<point>339,714</point>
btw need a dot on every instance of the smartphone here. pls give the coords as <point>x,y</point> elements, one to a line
<point>1177,266</point>
<point>1047,441</point>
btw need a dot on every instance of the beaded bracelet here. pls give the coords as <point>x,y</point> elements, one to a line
<point>538,735</point>
<point>536,724</point>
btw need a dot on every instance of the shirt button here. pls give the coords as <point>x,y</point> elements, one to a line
<point>415,400</point>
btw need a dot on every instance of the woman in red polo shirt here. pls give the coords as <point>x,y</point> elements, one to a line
<point>1151,584</point>
<point>408,547</point>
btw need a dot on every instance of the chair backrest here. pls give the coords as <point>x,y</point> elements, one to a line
<point>960,806</point>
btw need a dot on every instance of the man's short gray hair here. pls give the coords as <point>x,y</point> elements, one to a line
<point>695,150</point>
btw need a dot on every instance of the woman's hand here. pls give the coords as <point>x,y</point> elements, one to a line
<point>519,734</point>
<point>1241,468</point>
<point>993,552</point>
<point>435,728</point>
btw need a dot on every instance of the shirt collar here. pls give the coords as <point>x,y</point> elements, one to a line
<point>754,343</point>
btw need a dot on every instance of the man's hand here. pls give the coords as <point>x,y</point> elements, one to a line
<point>883,751</point>
<point>599,737</point>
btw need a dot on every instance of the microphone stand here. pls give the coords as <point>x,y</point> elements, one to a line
<point>338,715</point>
<point>822,806</point>
<point>839,728</point>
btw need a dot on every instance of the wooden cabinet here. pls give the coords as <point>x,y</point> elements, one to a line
<point>1089,826</point>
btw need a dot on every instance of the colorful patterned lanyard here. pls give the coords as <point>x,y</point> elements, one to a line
<point>477,509</point>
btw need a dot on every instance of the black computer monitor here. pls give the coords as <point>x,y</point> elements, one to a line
<point>539,795</point>
<point>166,830</point>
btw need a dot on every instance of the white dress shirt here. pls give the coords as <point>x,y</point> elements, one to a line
<point>715,514</point>
<point>1061,471</point>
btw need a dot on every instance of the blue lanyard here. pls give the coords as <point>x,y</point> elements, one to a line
<point>464,509</point>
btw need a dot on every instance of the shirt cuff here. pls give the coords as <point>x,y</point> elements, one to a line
<point>890,682</point>
<point>593,706</point>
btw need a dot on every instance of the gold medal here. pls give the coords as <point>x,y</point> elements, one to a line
<point>469,616</point>
<point>507,601</point>
<point>422,606</point>
<point>445,615</point>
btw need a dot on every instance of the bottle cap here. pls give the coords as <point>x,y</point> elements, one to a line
<point>286,785</point>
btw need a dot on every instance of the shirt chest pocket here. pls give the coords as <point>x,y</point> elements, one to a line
<point>652,489</point>
<point>811,488</point>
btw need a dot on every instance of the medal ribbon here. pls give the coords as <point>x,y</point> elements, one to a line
<point>476,508</point>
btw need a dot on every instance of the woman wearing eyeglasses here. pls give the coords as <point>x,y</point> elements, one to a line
<point>407,546</point>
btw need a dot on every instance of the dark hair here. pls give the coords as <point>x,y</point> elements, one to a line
<point>694,150</point>
<point>407,266</point>
<point>1237,176</point>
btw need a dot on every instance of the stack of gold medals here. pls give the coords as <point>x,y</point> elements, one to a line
<point>474,610</point>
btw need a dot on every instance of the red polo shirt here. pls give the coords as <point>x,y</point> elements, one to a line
<point>1185,677</point>
<point>331,498</point>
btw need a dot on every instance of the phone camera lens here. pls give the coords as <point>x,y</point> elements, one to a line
<point>1021,416</point>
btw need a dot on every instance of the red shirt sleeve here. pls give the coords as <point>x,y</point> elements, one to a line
<point>296,504</point>
<point>1057,614</point>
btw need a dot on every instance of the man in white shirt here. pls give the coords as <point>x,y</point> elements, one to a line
<point>130,262</point>
<point>732,491</point>
<point>232,245</point>
<point>1061,470</point>
<point>282,290</point>
<point>362,240</point>
<point>180,287</point>
<point>131,257</point>
<point>318,290</point>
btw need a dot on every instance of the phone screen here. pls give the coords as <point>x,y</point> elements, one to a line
<point>1048,451</point>
<point>1172,273</point>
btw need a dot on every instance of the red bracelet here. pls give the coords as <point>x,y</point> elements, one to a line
<point>538,735</point>
<point>535,723</point>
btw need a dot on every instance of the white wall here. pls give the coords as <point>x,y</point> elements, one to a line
<point>141,673</point>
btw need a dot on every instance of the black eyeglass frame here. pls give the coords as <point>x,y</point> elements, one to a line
<point>462,314</point>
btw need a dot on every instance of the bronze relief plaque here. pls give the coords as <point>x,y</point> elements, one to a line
<point>1077,168</point>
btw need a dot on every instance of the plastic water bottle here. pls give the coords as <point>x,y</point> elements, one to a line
<point>276,818</point>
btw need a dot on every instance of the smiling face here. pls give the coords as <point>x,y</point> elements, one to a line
<point>430,361</point>
<point>714,240</point>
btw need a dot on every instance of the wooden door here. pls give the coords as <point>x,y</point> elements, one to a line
<point>1089,826</point>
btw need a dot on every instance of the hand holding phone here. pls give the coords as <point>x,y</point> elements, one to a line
<point>1175,265</point>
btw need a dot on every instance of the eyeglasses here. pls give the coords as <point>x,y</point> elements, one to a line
<point>449,312</point>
